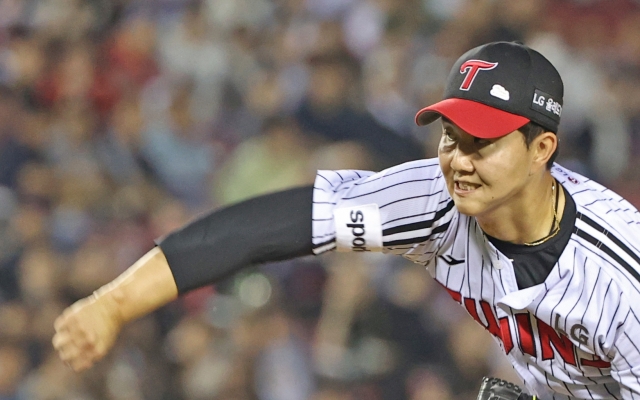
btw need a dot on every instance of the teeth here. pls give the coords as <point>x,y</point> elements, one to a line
<point>466,186</point>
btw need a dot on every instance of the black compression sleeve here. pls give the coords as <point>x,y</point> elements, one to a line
<point>268,228</point>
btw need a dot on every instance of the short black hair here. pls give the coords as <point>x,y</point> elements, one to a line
<point>532,130</point>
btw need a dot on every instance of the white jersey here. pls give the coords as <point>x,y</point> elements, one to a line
<point>575,336</point>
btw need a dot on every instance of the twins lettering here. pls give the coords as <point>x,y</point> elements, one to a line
<point>550,341</point>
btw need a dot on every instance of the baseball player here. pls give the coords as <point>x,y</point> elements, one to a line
<point>543,258</point>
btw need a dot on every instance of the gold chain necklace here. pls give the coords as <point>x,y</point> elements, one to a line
<point>555,228</point>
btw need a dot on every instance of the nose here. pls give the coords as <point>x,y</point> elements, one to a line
<point>461,161</point>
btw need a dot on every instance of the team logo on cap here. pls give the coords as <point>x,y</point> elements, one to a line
<point>471,68</point>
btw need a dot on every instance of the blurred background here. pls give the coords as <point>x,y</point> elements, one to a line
<point>121,120</point>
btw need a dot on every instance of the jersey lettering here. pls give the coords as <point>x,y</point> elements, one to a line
<point>502,331</point>
<point>505,334</point>
<point>551,341</point>
<point>562,344</point>
<point>525,331</point>
<point>597,362</point>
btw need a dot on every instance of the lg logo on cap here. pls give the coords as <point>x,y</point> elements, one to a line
<point>544,101</point>
<point>471,68</point>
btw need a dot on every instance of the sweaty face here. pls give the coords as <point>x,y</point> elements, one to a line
<point>483,174</point>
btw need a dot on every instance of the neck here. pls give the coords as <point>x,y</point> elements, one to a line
<point>527,216</point>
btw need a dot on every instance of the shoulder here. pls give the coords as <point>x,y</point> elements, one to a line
<point>414,171</point>
<point>605,207</point>
<point>605,229</point>
<point>423,166</point>
<point>419,169</point>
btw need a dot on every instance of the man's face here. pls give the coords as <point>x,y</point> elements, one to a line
<point>483,174</point>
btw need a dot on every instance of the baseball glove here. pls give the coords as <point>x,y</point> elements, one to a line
<point>499,389</point>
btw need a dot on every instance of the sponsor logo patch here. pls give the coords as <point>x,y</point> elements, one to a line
<point>546,104</point>
<point>358,228</point>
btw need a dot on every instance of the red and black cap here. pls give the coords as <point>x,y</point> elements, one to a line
<point>495,89</point>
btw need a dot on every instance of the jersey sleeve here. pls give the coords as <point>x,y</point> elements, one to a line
<point>403,210</point>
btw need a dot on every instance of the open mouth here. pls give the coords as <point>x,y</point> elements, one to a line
<point>465,187</point>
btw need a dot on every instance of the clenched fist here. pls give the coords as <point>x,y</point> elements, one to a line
<point>86,331</point>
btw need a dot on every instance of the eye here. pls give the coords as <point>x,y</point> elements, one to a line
<point>481,141</point>
<point>449,135</point>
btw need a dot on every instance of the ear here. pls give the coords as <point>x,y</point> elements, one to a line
<point>543,147</point>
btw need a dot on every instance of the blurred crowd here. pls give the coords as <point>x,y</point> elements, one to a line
<point>121,120</point>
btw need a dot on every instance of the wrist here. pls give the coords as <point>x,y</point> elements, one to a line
<point>112,301</point>
<point>144,287</point>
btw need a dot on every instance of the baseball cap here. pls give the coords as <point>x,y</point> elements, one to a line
<point>495,89</point>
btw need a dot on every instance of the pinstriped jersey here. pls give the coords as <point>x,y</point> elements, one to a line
<point>575,336</point>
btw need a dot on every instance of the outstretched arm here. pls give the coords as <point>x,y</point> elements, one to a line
<point>267,228</point>
<point>349,210</point>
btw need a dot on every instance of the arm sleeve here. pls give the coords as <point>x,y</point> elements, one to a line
<point>267,228</point>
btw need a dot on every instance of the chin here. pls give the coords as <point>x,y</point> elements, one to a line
<point>468,207</point>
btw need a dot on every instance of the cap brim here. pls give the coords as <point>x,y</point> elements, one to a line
<point>475,118</point>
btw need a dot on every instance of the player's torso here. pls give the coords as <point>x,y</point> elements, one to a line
<point>558,334</point>
<point>548,331</point>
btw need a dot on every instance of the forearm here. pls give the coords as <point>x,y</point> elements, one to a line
<point>146,286</point>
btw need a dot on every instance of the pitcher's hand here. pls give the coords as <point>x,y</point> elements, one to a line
<point>86,331</point>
